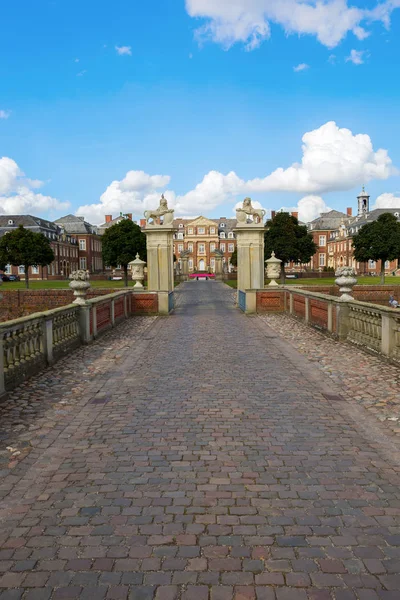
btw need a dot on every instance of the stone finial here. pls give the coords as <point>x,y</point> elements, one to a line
<point>137,270</point>
<point>273,268</point>
<point>346,280</point>
<point>80,284</point>
<point>244,213</point>
<point>162,211</point>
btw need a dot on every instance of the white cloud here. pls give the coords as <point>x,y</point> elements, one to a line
<point>124,50</point>
<point>332,159</point>
<point>4,114</point>
<point>387,200</point>
<point>308,208</point>
<point>332,59</point>
<point>17,194</point>
<point>81,73</point>
<point>301,67</point>
<point>76,60</point>
<point>248,21</point>
<point>356,57</point>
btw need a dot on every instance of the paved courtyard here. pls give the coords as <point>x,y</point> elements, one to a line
<point>196,457</point>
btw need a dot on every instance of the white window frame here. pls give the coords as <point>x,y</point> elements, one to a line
<point>322,240</point>
<point>212,230</point>
<point>230,234</point>
<point>21,270</point>
<point>190,230</point>
<point>190,247</point>
<point>7,270</point>
<point>82,263</point>
<point>222,235</point>
<point>180,236</point>
<point>35,270</point>
<point>202,249</point>
<point>212,247</point>
<point>190,263</point>
<point>231,247</point>
<point>201,230</point>
<point>82,245</point>
<point>322,260</point>
<point>180,247</point>
<point>222,247</point>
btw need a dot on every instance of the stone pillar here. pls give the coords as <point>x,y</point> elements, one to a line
<point>185,268</point>
<point>250,246</point>
<point>218,267</point>
<point>160,255</point>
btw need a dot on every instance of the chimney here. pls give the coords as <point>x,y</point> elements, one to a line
<point>129,215</point>
<point>273,213</point>
<point>142,223</point>
<point>349,212</point>
<point>295,214</point>
<point>108,218</point>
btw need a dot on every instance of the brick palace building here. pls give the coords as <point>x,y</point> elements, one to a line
<point>88,239</point>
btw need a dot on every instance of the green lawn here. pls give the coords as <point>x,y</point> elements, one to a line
<point>51,285</point>
<point>330,281</point>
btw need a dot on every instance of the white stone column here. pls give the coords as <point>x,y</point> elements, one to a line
<point>250,247</point>
<point>160,264</point>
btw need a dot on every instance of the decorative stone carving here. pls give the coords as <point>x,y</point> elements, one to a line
<point>273,269</point>
<point>80,284</point>
<point>137,271</point>
<point>247,210</point>
<point>161,211</point>
<point>346,280</point>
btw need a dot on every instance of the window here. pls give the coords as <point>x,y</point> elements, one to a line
<point>35,270</point>
<point>387,264</point>
<point>322,240</point>
<point>222,234</point>
<point>222,224</point>
<point>7,270</point>
<point>21,270</point>
<point>82,244</point>
<point>190,247</point>
<point>371,264</point>
<point>212,247</point>
<point>180,247</point>
<point>212,229</point>
<point>322,260</point>
<point>190,263</point>
<point>202,249</point>
<point>230,234</point>
<point>212,263</point>
<point>82,261</point>
<point>201,230</point>
<point>231,247</point>
<point>222,247</point>
<point>180,225</point>
<point>10,222</point>
<point>180,236</point>
<point>190,230</point>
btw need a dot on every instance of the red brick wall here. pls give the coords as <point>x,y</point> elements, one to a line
<point>318,312</point>
<point>271,301</point>
<point>144,303</point>
<point>299,305</point>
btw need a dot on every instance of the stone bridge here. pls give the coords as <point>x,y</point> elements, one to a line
<point>207,455</point>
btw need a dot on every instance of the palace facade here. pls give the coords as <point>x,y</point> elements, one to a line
<point>201,237</point>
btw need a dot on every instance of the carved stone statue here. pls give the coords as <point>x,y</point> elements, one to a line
<point>247,210</point>
<point>161,211</point>
<point>80,284</point>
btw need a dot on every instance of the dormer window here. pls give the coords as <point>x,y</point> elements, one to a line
<point>222,234</point>
<point>230,234</point>
<point>222,225</point>
<point>180,225</point>
<point>180,236</point>
<point>10,222</point>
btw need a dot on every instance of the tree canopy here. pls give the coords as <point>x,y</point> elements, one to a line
<point>289,240</point>
<point>121,242</point>
<point>25,247</point>
<point>378,240</point>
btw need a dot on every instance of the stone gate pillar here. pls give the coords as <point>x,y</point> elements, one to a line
<point>218,264</point>
<point>160,255</point>
<point>250,251</point>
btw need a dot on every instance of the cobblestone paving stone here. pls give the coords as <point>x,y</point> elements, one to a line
<point>200,461</point>
<point>364,378</point>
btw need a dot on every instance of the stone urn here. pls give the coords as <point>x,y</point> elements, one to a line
<point>137,270</point>
<point>346,280</point>
<point>273,269</point>
<point>80,284</point>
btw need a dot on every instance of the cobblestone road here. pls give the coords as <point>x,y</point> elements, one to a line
<point>197,457</point>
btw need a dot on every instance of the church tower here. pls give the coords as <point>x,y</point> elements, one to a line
<point>363,203</point>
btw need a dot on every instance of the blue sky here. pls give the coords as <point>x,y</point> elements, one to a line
<point>104,105</point>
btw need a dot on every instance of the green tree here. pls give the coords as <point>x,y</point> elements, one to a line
<point>378,240</point>
<point>234,258</point>
<point>121,243</point>
<point>289,240</point>
<point>25,247</point>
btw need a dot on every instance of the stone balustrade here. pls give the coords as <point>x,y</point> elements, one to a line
<point>31,343</point>
<point>371,326</point>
